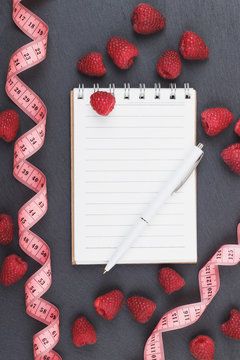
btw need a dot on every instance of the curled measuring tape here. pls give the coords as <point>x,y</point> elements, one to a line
<point>30,213</point>
<point>182,316</point>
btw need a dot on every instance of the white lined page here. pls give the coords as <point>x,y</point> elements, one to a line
<point>120,163</point>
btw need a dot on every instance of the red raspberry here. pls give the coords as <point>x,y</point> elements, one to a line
<point>216,120</point>
<point>108,305</point>
<point>13,269</point>
<point>147,20</point>
<point>231,156</point>
<point>83,332</point>
<point>170,280</point>
<point>237,127</point>
<point>169,65</point>
<point>192,46</point>
<point>231,327</point>
<point>102,102</point>
<point>141,308</point>
<point>122,52</point>
<point>9,125</point>
<point>92,65</point>
<point>6,229</point>
<point>202,348</point>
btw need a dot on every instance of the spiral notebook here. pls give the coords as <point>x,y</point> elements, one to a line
<point>120,162</point>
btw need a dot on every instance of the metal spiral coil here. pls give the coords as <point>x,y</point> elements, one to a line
<point>142,90</point>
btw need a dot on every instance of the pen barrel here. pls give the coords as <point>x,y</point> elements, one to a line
<point>185,168</point>
<point>134,233</point>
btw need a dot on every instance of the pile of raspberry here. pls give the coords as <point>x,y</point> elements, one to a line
<point>147,20</point>
<point>109,304</point>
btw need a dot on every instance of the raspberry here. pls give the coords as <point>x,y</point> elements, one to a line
<point>108,305</point>
<point>92,65</point>
<point>231,327</point>
<point>170,280</point>
<point>102,102</point>
<point>237,127</point>
<point>169,65</point>
<point>231,156</point>
<point>141,308</point>
<point>9,125</point>
<point>122,52</point>
<point>147,20</point>
<point>216,120</point>
<point>192,46</point>
<point>13,269</point>
<point>83,332</point>
<point>6,229</point>
<point>202,348</point>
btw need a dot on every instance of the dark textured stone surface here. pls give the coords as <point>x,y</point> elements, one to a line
<point>77,27</point>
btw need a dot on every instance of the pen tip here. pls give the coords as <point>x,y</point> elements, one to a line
<point>105,271</point>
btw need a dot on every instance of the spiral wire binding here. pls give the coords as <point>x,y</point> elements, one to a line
<point>142,90</point>
<point>157,87</point>
<point>173,88</point>
<point>187,91</point>
<point>126,91</point>
<point>112,89</point>
<point>81,91</point>
<point>95,87</point>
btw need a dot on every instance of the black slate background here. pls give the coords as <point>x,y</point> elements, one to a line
<point>77,27</point>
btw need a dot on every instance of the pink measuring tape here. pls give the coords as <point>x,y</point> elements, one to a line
<point>182,316</point>
<point>26,57</point>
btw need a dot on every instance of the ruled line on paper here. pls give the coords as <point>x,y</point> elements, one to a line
<point>138,117</point>
<point>128,225</point>
<point>129,170</point>
<point>123,181</point>
<point>134,127</point>
<point>128,149</point>
<point>152,104</point>
<point>170,159</point>
<point>136,247</point>
<point>120,236</point>
<point>126,192</point>
<point>136,137</point>
<point>121,192</point>
<point>130,203</point>
<point>138,214</point>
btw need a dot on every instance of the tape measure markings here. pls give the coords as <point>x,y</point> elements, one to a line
<point>209,284</point>
<point>34,209</point>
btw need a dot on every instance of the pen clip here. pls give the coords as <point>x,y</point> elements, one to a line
<point>200,146</point>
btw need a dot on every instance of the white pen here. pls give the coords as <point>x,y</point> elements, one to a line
<point>177,180</point>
